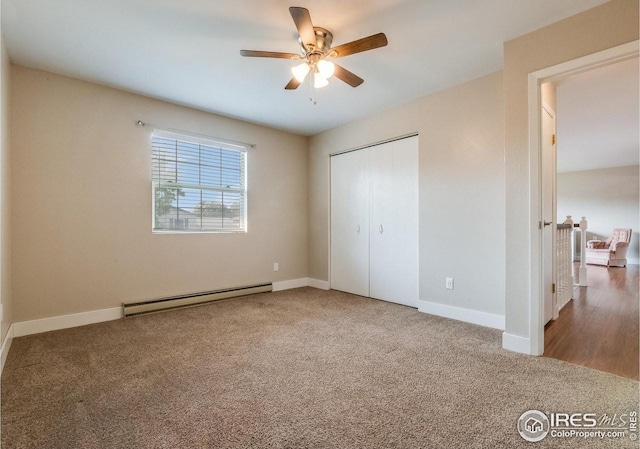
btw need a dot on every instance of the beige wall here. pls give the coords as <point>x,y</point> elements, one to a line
<point>608,197</point>
<point>81,202</point>
<point>461,188</point>
<point>597,29</point>
<point>5,180</point>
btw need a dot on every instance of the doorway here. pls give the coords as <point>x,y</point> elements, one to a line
<point>596,174</point>
<point>536,267</point>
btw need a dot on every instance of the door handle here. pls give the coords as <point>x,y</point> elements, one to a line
<point>381,229</point>
<point>547,223</point>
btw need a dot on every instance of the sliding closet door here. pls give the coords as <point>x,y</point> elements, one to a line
<point>350,222</point>
<point>394,222</point>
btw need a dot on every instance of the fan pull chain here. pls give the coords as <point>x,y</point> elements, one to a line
<point>311,99</point>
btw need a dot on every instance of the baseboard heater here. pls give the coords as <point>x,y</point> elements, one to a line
<point>191,299</point>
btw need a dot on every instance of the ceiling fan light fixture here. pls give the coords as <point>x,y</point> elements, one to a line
<point>300,71</point>
<point>326,68</point>
<point>319,81</point>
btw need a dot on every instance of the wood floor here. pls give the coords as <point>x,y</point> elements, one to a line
<point>599,327</point>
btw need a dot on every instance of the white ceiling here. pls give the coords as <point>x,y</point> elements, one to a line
<point>598,118</point>
<point>187,51</point>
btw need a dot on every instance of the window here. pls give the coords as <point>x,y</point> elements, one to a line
<point>199,185</point>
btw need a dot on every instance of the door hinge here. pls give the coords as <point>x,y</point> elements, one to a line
<point>553,139</point>
<point>553,288</point>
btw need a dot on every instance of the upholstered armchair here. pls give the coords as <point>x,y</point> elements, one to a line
<point>612,252</point>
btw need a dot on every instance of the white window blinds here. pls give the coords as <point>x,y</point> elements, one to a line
<point>199,185</point>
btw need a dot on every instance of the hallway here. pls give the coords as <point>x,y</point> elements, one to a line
<point>599,328</point>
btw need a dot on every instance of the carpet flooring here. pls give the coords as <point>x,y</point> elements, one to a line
<point>302,368</point>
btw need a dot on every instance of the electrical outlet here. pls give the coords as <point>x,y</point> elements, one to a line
<point>449,283</point>
<point>275,266</point>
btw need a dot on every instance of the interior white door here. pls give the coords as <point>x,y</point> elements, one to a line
<point>394,222</point>
<point>548,150</point>
<point>350,222</point>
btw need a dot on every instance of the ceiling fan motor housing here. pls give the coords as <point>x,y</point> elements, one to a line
<point>324,39</point>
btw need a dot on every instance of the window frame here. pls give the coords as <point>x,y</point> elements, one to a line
<point>195,139</point>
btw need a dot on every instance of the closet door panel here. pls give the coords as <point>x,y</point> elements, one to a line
<point>394,225</point>
<point>381,228</point>
<point>404,269</point>
<point>350,222</point>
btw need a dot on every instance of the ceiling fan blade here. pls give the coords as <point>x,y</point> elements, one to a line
<point>293,84</point>
<point>343,74</point>
<point>364,44</point>
<point>268,54</point>
<point>302,19</point>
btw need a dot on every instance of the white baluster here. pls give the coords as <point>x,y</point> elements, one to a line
<point>559,270</point>
<point>564,259</point>
<point>569,221</point>
<point>572,253</point>
<point>563,269</point>
<point>583,252</point>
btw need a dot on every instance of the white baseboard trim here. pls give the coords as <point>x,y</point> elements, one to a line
<point>6,345</point>
<point>458,313</point>
<point>293,283</point>
<point>23,328</point>
<point>516,343</point>
<point>322,285</point>
<point>65,321</point>
<point>302,282</point>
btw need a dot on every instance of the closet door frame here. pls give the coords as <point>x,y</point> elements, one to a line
<point>329,218</point>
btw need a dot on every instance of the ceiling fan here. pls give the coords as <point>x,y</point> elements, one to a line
<point>315,44</point>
